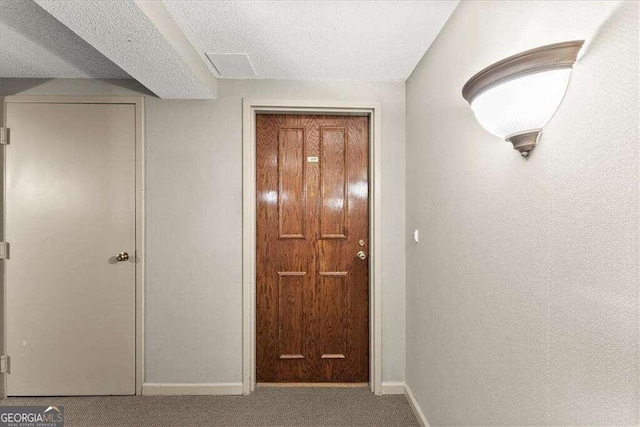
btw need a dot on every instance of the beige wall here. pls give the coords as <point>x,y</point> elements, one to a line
<point>194,220</point>
<point>523,293</point>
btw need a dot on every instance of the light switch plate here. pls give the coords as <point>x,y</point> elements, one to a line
<point>416,236</point>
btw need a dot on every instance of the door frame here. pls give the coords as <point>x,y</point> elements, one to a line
<point>138,102</point>
<point>251,107</point>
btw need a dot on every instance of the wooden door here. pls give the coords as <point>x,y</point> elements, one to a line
<point>312,288</point>
<point>70,193</point>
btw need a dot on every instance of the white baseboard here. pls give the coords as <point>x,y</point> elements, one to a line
<point>417,411</point>
<point>164,389</point>
<point>393,387</point>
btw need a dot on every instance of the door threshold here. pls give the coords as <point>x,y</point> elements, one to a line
<point>343,385</point>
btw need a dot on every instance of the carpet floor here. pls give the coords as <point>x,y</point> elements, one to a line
<point>266,406</point>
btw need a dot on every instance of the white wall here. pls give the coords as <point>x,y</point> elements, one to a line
<point>194,220</point>
<point>523,294</point>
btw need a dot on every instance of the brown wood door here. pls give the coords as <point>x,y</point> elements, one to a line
<point>312,289</point>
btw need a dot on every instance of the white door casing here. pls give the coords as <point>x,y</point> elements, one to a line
<point>372,109</point>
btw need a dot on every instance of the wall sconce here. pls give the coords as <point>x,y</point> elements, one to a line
<point>516,97</point>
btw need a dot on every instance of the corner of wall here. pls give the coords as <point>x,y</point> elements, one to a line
<point>415,407</point>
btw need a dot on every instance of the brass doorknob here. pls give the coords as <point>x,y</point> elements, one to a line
<point>361,255</point>
<point>122,256</point>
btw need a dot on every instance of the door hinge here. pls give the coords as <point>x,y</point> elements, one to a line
<point>3,363</point>
<point>4,250</point>
<point>4,136</point>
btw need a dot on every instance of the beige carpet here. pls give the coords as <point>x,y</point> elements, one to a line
<point>267,406</point>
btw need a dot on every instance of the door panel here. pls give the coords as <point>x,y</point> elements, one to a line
<point>70,209</point>
<point>312,212</point>
<point>332,302</point>
<point>333,183</point>
<point>292,189</point>
<point>291,315</point>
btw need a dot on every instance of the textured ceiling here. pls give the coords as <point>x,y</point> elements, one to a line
<point>123,33</point>
<point>33,44</point>
<point>319,40</point>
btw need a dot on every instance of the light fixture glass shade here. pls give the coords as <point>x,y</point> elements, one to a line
<point>517,96</point>
<point>521,104</point>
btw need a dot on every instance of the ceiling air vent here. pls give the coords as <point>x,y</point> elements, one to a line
<point>232,65</point>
